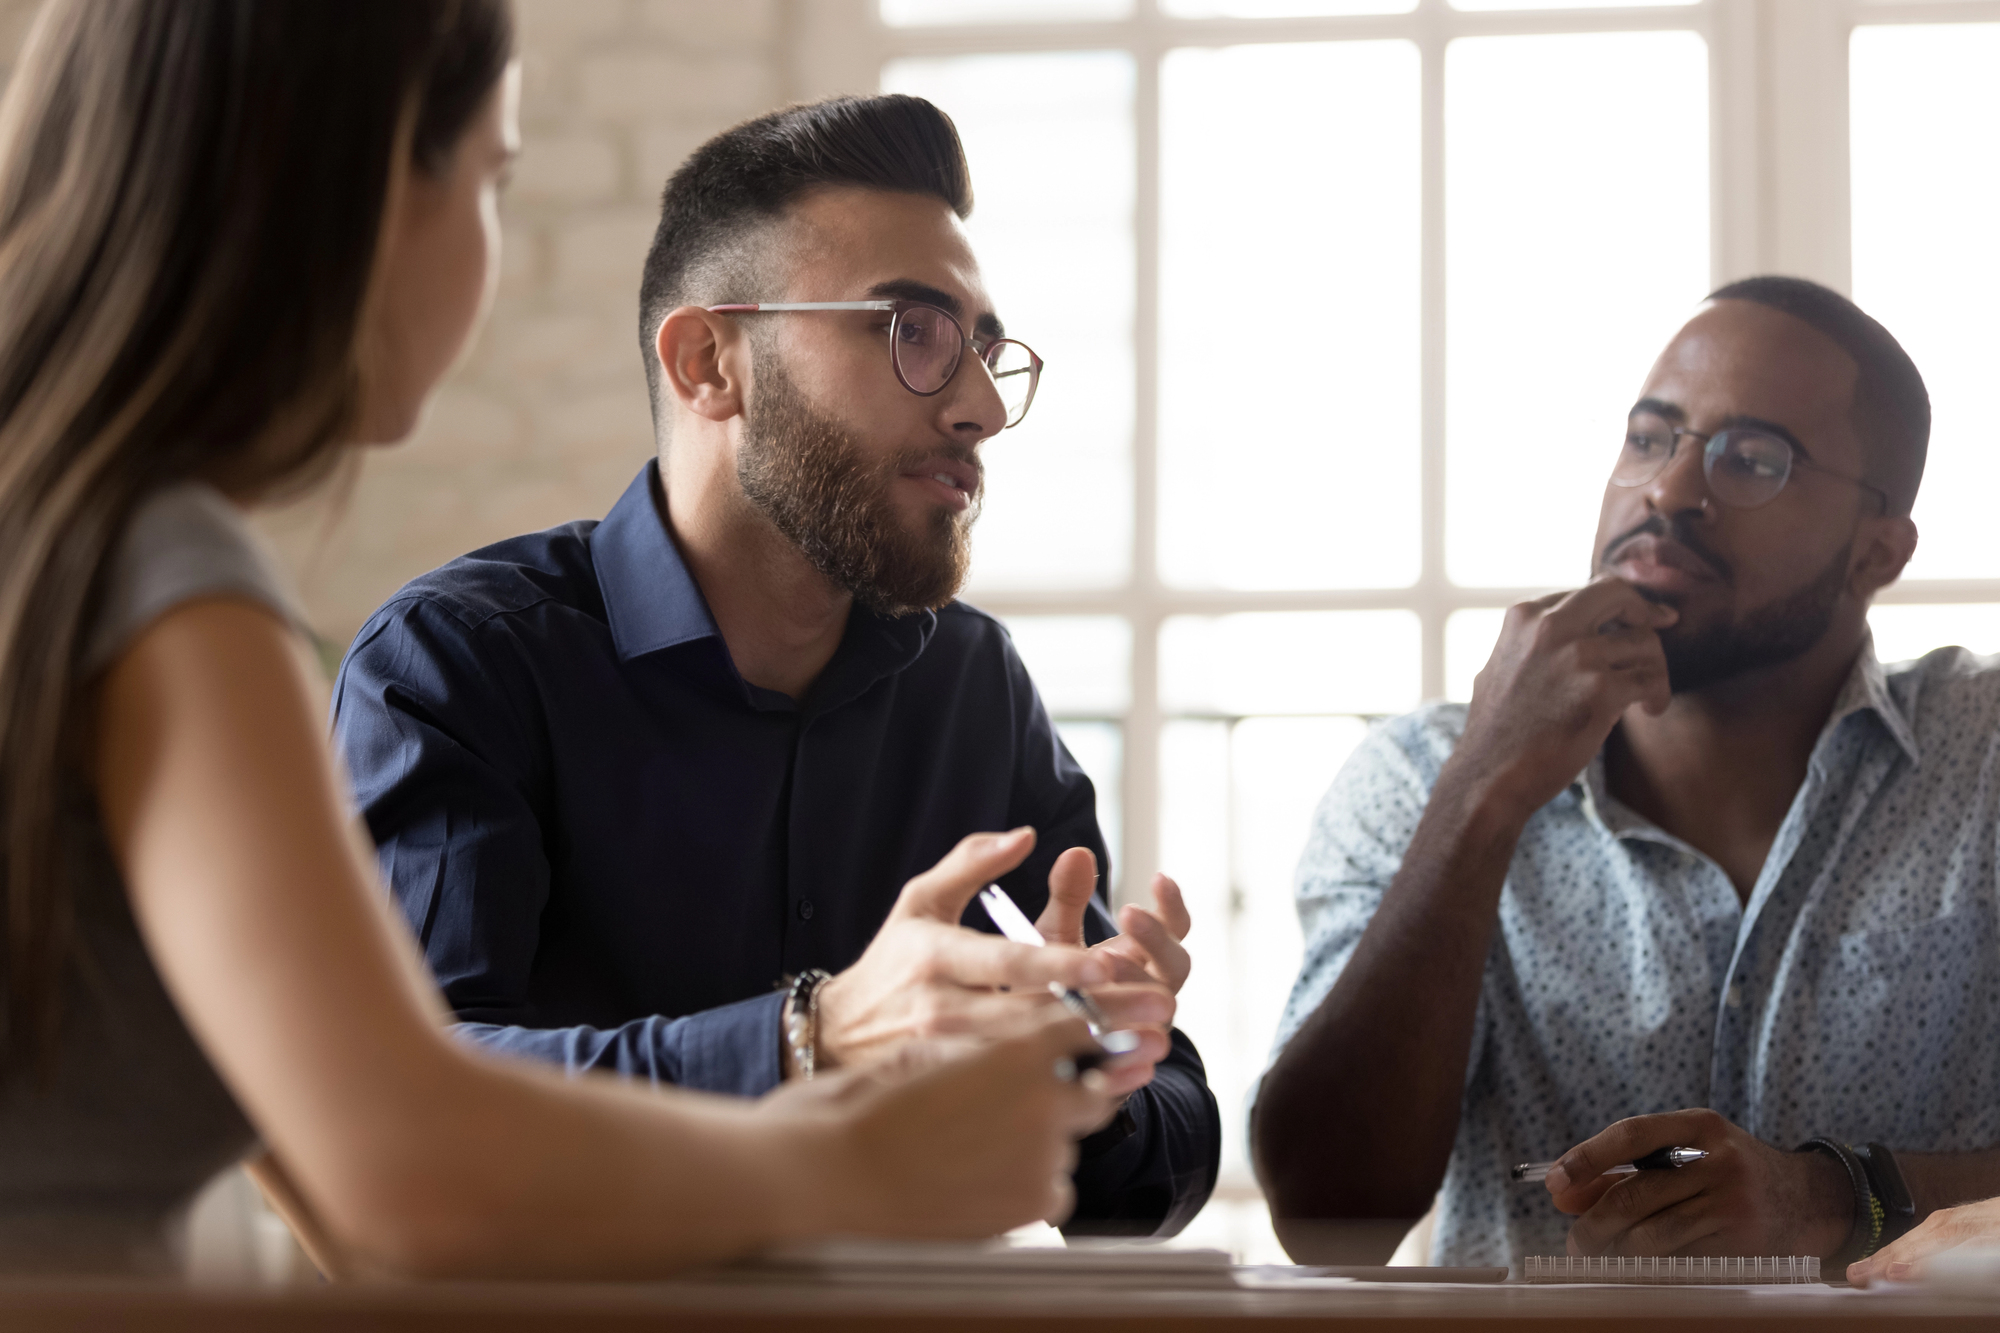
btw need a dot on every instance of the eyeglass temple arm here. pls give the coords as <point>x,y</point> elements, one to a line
<point>754,307</point>
<point>1880,494</point>
<point>1799,459</point>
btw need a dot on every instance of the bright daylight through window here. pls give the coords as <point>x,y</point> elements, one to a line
<point>1343,303</point>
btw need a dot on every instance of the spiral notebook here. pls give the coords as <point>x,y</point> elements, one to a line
<point>1736,1271</point>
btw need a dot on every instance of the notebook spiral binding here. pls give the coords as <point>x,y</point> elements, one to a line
<point>1730,1271</point>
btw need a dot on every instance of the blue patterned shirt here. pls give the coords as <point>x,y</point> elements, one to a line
<point>1857,994</point>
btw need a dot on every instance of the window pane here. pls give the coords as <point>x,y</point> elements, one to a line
<point>1099,748</point>
<point>1291,662</point>
<point>1289,303</point>
<point>922,13</point>
<point>1907,631</point>
<point>1081,664</point>
<point>1926,140</point>
<point>1469,637</point>
<point>1279,9</point>
<point>1236,807</point>
<point>1050,140</point>
<point>1577,238</point>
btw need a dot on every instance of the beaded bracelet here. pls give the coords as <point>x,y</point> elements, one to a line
<point>802,1018</point>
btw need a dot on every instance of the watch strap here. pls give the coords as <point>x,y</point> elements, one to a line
<point>1885,1181</point>
<point>1865,1236</point>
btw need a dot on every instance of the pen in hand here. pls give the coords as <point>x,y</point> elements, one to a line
<point>1014,924</point>
<point>1665,1159</point>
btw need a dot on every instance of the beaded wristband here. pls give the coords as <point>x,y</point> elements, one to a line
<point>802,1018</point>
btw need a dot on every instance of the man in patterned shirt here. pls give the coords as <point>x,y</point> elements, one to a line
<point>1690,846</point>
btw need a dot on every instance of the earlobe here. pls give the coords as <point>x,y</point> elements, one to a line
<point>702,362</point>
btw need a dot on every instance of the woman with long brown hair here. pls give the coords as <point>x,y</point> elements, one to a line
<point>238,237</point>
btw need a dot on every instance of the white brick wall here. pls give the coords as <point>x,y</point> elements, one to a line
<point>547,419</point>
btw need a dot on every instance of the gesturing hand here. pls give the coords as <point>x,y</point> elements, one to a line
<point>1147,960</point>
<point>924,975</point>
<point>1565,668</point>
<point>1746,1198</point>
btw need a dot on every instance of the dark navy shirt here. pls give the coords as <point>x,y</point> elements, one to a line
<point>612,846</point>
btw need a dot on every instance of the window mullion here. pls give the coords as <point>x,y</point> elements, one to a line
<point>1805,75</point>
<point>1433,583</point>
<point>1142,724</point>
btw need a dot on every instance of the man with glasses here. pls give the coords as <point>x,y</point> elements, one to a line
<point>1692,871</point>
<point>672,794</point>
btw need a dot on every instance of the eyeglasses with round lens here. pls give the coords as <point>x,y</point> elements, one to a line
<point>926,344</point>
<point>1746,468</point>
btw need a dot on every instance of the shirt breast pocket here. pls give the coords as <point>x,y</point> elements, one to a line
<point>1912,1032</point>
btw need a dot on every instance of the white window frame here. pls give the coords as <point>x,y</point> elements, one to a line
<point>1779,186</point>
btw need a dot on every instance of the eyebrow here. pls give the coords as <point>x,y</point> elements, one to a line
<point>909,289</point>
<point>1659,407</point>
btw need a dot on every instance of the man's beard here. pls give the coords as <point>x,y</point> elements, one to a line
<point>817,485</point>
<point>1770,636</point>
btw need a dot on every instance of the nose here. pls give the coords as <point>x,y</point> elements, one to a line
<point>1682,486</point>
<point>971,404</point>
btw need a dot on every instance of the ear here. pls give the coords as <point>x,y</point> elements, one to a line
<point>1883,547</point>
<point>704,362</point>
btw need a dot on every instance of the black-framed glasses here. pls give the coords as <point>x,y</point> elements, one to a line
<point>1746,467</point>
<point>927,343</point>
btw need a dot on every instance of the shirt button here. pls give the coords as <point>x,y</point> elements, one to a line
<point>1735,997</point>
<point>805,909</point>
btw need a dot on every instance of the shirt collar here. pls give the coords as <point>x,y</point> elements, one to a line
<point>653,603</point>
<point>1867,689</point>
<point>650,598</point>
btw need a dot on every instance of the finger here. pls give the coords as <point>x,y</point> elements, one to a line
<point>1170,961</point>
<point>973,958</point>
<point>1122,1079</point>
<point>1598,603</point>
<point>1583,1198</point>
<point>1147,1004</point>
<point>942,892</point>
<point>1085,1101</point>
<point>1628,1141</point>
<point>1639,1214</point>
<point>1130,964</point>
<point>1170,907</point>
<point>1690,1228</point>
<point>1656,689</point>
<point>1072,881</point>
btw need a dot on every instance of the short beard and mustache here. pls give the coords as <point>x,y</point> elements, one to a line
<point>1698,659</point>
<point>818,486</point>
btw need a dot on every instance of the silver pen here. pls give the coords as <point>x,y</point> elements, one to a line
<point>1666,1159</point>
<point>1014,924</point>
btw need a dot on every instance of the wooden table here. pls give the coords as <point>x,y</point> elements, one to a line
<point>35,1306</point>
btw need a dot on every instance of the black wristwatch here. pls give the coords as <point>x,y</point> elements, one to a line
<point>1885,1181</point>
<point>1866,1234</point>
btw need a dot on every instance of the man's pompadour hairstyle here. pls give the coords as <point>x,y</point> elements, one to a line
<point>1892,408</point>
<point>743,179</point>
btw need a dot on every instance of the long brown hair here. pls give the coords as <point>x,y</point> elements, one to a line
<point>191,195</point>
